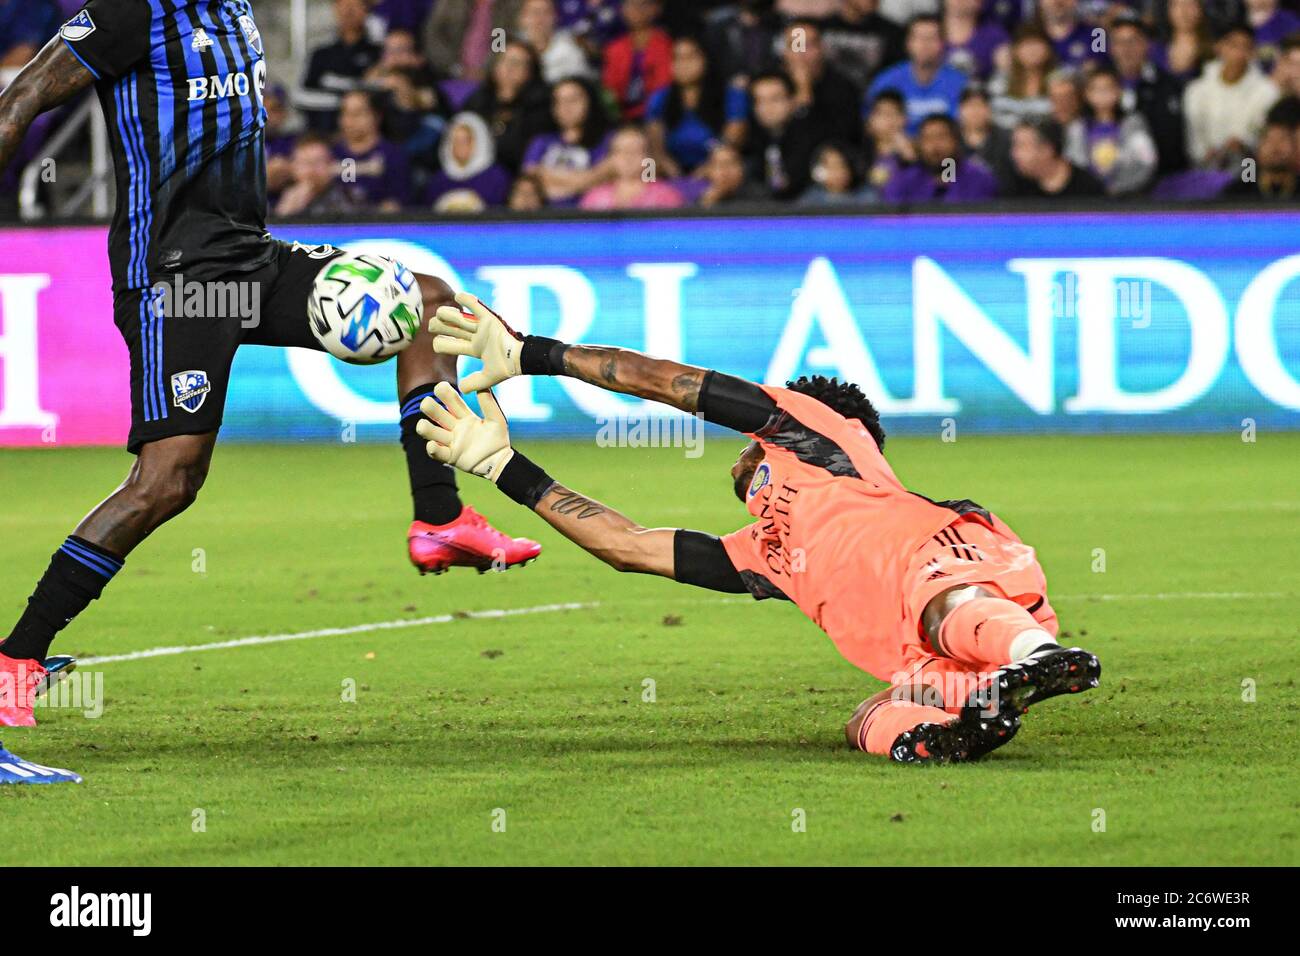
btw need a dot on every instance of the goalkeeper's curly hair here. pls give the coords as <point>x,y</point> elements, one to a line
<point>845,398</point>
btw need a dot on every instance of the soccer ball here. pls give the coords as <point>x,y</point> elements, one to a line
<point>365,309</point>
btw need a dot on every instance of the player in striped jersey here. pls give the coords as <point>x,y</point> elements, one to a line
<point>181,84</point>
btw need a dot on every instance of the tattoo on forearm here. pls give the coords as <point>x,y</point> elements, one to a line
<point>686,387</point>
<point>571,503</point>
<point>632,373</point>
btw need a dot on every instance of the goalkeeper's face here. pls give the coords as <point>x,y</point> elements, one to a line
<point>742,472</point>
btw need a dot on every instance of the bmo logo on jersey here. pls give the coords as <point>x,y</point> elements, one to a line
<point>224,86</point>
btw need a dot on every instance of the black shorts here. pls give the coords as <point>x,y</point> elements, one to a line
<point>183,338</point>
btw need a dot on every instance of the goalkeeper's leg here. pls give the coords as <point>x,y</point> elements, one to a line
<point>912,723</point>
<point>978,625</point>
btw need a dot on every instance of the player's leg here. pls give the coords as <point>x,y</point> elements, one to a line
<point>164,481</point>
<point>979,625</point>
<point>419,369</point>
<point>975,623</point>
<point>179,371</point>
<point>913,723</point>
<point>443,533</point>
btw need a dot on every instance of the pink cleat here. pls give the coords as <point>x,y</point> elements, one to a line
<point>20,682</point>
<point>467,542</point>
<point>429,553</point>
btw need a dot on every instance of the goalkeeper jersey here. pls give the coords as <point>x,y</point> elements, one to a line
<point>835,531</point>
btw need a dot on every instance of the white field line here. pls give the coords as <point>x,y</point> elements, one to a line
<point>495,613</point>
<point>1173,596</point>
<point>338,631</point>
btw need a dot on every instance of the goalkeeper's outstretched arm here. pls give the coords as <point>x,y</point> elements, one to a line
<point>691,557</point>
<point>481,446</point>
<point>719,398</point>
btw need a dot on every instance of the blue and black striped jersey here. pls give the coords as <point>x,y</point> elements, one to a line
<point>181,83</point>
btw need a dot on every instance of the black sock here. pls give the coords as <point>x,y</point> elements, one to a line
<point>433,484</point>
<point>77,575</point>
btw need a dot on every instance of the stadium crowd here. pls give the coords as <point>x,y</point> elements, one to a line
<point>466,105</point>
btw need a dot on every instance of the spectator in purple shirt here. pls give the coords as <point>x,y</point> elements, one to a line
<point>1272,25</point>
<point>973,45</point>
<point>890,147</point>
<point>1073,41</point>
<point>376,173</point>
<point>1110,142</point>
<point>571,161</point>
<point>941,173</point>
<point>470,179</point>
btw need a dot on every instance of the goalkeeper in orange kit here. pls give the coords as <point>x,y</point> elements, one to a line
<point>940,599</point>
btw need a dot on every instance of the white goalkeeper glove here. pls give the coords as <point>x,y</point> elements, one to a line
<point>481,335</point>
<point>458,437</point>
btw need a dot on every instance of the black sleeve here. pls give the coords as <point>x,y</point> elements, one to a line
<point>734,403</point>
<point>700,559</point>
<point>110,37</point>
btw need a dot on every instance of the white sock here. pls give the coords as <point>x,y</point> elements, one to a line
<point>1026,642</point>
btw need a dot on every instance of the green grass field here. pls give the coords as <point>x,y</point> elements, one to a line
<point>542,714</point>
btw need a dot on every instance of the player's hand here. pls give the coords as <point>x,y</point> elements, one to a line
<point>458,437</point>
<point>483,335</point>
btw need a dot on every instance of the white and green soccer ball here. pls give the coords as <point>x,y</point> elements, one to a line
<point>365,308</point>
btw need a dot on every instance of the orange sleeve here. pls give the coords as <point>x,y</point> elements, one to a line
<point>743,548</point>
<point>748,551</point>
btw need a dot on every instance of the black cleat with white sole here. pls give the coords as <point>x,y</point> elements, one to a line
<point>969,737</point>
<point>1048,672</point>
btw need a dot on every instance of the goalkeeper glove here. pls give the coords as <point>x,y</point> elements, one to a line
<point>482,335</point>
<point>458,437</point>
